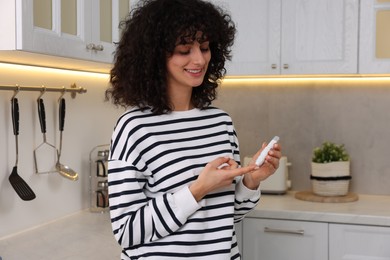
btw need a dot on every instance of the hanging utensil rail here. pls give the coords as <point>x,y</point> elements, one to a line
<point>73,89</point>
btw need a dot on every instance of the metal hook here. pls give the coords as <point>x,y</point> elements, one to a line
<point>16,91</point>
<point>42,92</point>
<point>62,94</point>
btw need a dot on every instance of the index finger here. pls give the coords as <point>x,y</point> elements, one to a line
<point>218,162</point>
<point>241,171</point>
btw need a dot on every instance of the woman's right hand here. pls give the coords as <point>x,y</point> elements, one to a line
<point>217,174</point>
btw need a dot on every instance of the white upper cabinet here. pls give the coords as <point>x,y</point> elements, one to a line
<point>106,17</point>
<point>256,49</point>
<point>81,29</point>
<point>374,51</point>
<point>294,36</point>
<point>319,37</point>
<point>53,27</point>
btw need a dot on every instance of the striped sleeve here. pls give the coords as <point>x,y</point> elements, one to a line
<point>137,220</point>
<point>245,199</point>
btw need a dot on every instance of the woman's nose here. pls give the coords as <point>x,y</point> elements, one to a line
<point>198,57</point>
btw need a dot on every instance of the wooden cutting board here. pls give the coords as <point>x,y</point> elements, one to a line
<point>310,196</point>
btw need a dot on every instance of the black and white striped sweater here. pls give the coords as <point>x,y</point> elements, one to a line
<point>153,160</point>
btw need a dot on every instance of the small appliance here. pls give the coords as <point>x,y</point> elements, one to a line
<point>278,183</point>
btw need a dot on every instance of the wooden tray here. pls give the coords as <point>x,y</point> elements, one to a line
<point>310,196</point>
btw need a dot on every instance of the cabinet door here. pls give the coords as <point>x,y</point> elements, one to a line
<point>238,229</point>
<point>256,48</point>
<point>106,16</point>
<point>280,239</point>
<point>319,37</point>
<point>374,51</point>
<point>81,29</point>
<point>354,242</point>
<point>54,27</point>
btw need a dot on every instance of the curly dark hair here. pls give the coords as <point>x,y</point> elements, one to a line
<point>150,34</point>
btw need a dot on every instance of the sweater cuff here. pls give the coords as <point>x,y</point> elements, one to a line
<point>186,202</point>
<point>243,193</point>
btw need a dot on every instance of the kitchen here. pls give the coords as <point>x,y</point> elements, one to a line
<point>303,111</point>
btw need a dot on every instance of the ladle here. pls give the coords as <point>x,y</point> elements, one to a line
<point>63,169</point>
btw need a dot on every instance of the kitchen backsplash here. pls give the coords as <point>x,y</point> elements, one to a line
<point>306,113</point>
<point>89,121</point>
<point>302,114</point>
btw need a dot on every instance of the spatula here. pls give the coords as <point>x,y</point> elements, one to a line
<point>20,186</point>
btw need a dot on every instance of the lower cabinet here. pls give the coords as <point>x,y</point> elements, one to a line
<point>268,239</point>
<point>271,239</point>
<point>357,242</point>
<point>239,236</point>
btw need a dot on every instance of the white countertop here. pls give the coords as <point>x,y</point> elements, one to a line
<point>86,235</point>
<point>367,210</point>
<point>80,236</point>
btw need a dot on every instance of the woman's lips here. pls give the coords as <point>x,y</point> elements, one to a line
<point>195,72</point>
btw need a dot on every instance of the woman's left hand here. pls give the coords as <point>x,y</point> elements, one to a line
<point>252,179</point>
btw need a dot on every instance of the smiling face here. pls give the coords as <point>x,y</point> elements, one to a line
<point>188,64</point>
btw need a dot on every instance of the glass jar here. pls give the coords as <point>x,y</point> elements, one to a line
<point>98,179</point>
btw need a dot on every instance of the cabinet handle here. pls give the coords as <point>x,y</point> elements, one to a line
<point>285,66</point>
<point>273,66</point>
<point>99,47</point>
<point>284,231</point>
<point>94,47</point>
<point>90,46</point>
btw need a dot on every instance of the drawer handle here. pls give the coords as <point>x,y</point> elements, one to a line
<point>284,231</point>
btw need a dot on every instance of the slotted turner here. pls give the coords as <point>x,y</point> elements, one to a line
<point>20,186</point>
<point>45,149</point>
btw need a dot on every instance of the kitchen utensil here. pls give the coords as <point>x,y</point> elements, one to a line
<point>43,150</point>
<point>63,169</point>
<point>20,186</point>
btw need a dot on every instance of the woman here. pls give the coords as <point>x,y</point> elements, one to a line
<point>175,184</point>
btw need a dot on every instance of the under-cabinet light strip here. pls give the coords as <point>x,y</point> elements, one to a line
<point>39,69</point>
<point>228,80</point>
<point>320,80</point>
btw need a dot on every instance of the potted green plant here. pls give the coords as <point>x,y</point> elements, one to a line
<point>330,170</point>
<point>330,152</point>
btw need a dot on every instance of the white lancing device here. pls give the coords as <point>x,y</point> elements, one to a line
<point>264,153</point>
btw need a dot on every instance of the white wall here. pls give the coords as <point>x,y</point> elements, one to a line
<point>304,114</point>
<point>89,122</point>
